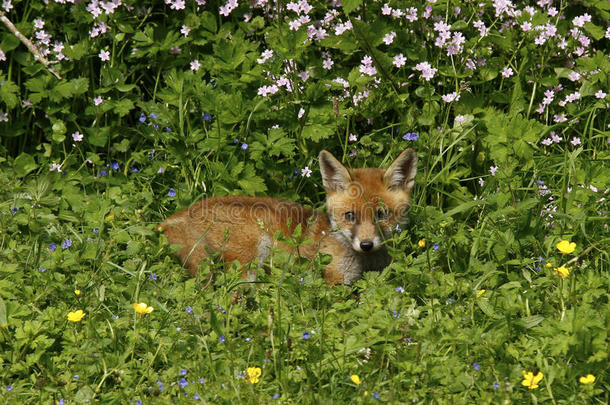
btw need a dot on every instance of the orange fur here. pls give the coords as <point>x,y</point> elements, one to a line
<point>363,207</point>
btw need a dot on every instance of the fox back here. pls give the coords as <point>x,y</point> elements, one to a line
<point>363,205</point>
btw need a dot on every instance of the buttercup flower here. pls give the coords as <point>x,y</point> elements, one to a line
<point>587,379</point>
<point>566,246</point>
<point>480,292</point>
<point>142,308</point>
<point>530,380</point>
<point>421,243</point>
<point>76,316</point>
<point>253,374</point>
<point>562,272</point>
<point>355,379</point>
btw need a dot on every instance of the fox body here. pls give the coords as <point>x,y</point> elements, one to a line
<point>363,206</point>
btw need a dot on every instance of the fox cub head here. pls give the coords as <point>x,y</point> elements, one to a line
<point>365,204</point>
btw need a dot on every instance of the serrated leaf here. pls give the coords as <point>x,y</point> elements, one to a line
<point>317,132</point>
<point>123,107</point>
<point>9,92</point>
<point>350,5</point>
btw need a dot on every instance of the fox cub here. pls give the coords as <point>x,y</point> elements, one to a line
<point>363,206</point>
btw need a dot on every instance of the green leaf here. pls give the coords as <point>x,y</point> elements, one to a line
<point>24,164</point>
<point>123,107</point>
<point>9,92</point>
<point>350,5</point>
<point>595,31</point>
<point>317,132</point>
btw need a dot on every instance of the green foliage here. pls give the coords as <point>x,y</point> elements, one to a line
<point>161,104</point>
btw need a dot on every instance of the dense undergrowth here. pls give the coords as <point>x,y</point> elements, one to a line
<point>159,106</point>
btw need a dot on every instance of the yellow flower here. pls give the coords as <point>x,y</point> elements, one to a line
<point>77,292</point>
<point>562,272</point>
<point>565,246</point>
<point>549,265</point>
<point>530,380</point>
<point>355,379</point>
<point>4,324</point>
<point>421,243</point>
<point>587,379</point>
<point>253,374</point>
<point>480,292</point>
<point>76,316</point>
<point>142,308</point>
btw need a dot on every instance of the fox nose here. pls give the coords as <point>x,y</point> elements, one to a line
<point>366,245</point>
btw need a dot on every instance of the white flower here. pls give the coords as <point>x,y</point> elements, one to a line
<point>493,169</point>
<point>104,55</point>
<point>306,172</point>
<point>77,136</point>
<point>399,60</point>
<point>507,72</point>
<point>600,94</point>
<point>195,65</point>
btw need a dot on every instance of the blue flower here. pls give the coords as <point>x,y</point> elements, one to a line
<point>42,269</point>
<point>410,136</point>
<point>183,383</point>
<point>171,193</point>
<point>376,395</point>
<point>306,335</point>
<point>476,366</point>
<point>115,166</point>
<point>161,170</point>
<point>206,117</point>
<point>399,289</point>
<point>14,210</point>
<point>196,397</point>
<point>138,402</point>
<point>398,229</point>
<point>450,301</point>
<point>222,339</point>
<point>95,230</point>
<point>496,385</point>
<point>168,129</point>
<point>76,376</point>
<point>244,146</point>
<point>276,396</point>
<point>142,118</point>
<point>201,381</point>
<point>9,387</point>
<point>160,384</point>
<point>52,247</point>
<point>183,372</point>
<point>153,277</point>
<point>435,246</point>
<point>61,401</point>
<point>67,243</point>
<point>134,169</point>
<point>103,173</point>
<point>153,116</point>
<point>188,310</point>
<point>235,140</point>
<point>395,314</point>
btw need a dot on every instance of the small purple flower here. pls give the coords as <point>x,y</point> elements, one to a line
<point>171,193</point>
<point>138,402</point>
<point>183,383</point>
<point>476,366</point>
<point>142,118</point>
<point>306,335</point>
<point>153,116</point>
<point>395,314</point>
<point>235,140</point>
<point>115,166</point>
<point>14,210</point>
<point>276,396</point>
<point>52,247</point>
<point>435,246</point>
<point>201,381</point>
<point>153,277</point>
<point>196,397</point>
<point>9,387</point>
<point>376,395</point>
<point>450,301</point>
<point>134,169</point>
<point>160,384</point>
<point>66,244</point>
<point>496,385</point>
<point>183,371</point>
<point>222,339</point>
<point>410,136</point>
<point>103,173</point>
<point>61,401</point>
<point>95,230</point>
<point>408,340</point>
<point>161,170</point>
<point>168,129</point>
<point>76,376</point>
<point>398,229</point>
<point>206,117</point>
<point>189,310</point>
<point>399,289</point>
<point>244,146</point>
<point>42,269</point>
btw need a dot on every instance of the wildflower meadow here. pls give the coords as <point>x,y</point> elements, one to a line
<point>116,114</point>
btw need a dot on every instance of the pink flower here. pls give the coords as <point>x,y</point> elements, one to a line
<point>386,9</point>
<point>507,72</point>
<point>493,170</point>
<point>459,119</point>
<point>399,60</point>
<point>389,38</point>
<point>195,65</point>
<point>294,25</point>
<point>104,55</point>
<point>98,100</point>
<point>301,113</point>
<point>600,94</point>
<point>77,136</point>
<point>265,56</point>
<point>581,20</point>
<point>559,118</point>
<point>574,76</point>
<point>426,70</point>
<point>575,141</point>
<point>555,138</point>
<point>328,63</point>
<point>451,97</point>
<point>185,31</point>
<point>547,141</point>
<point>55,167</point>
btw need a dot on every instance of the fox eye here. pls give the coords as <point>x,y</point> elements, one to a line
<point>350,216</point>
<point>382,214</point>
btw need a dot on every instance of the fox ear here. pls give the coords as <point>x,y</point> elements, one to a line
<point>401,173</point>
<point>335,176</point>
